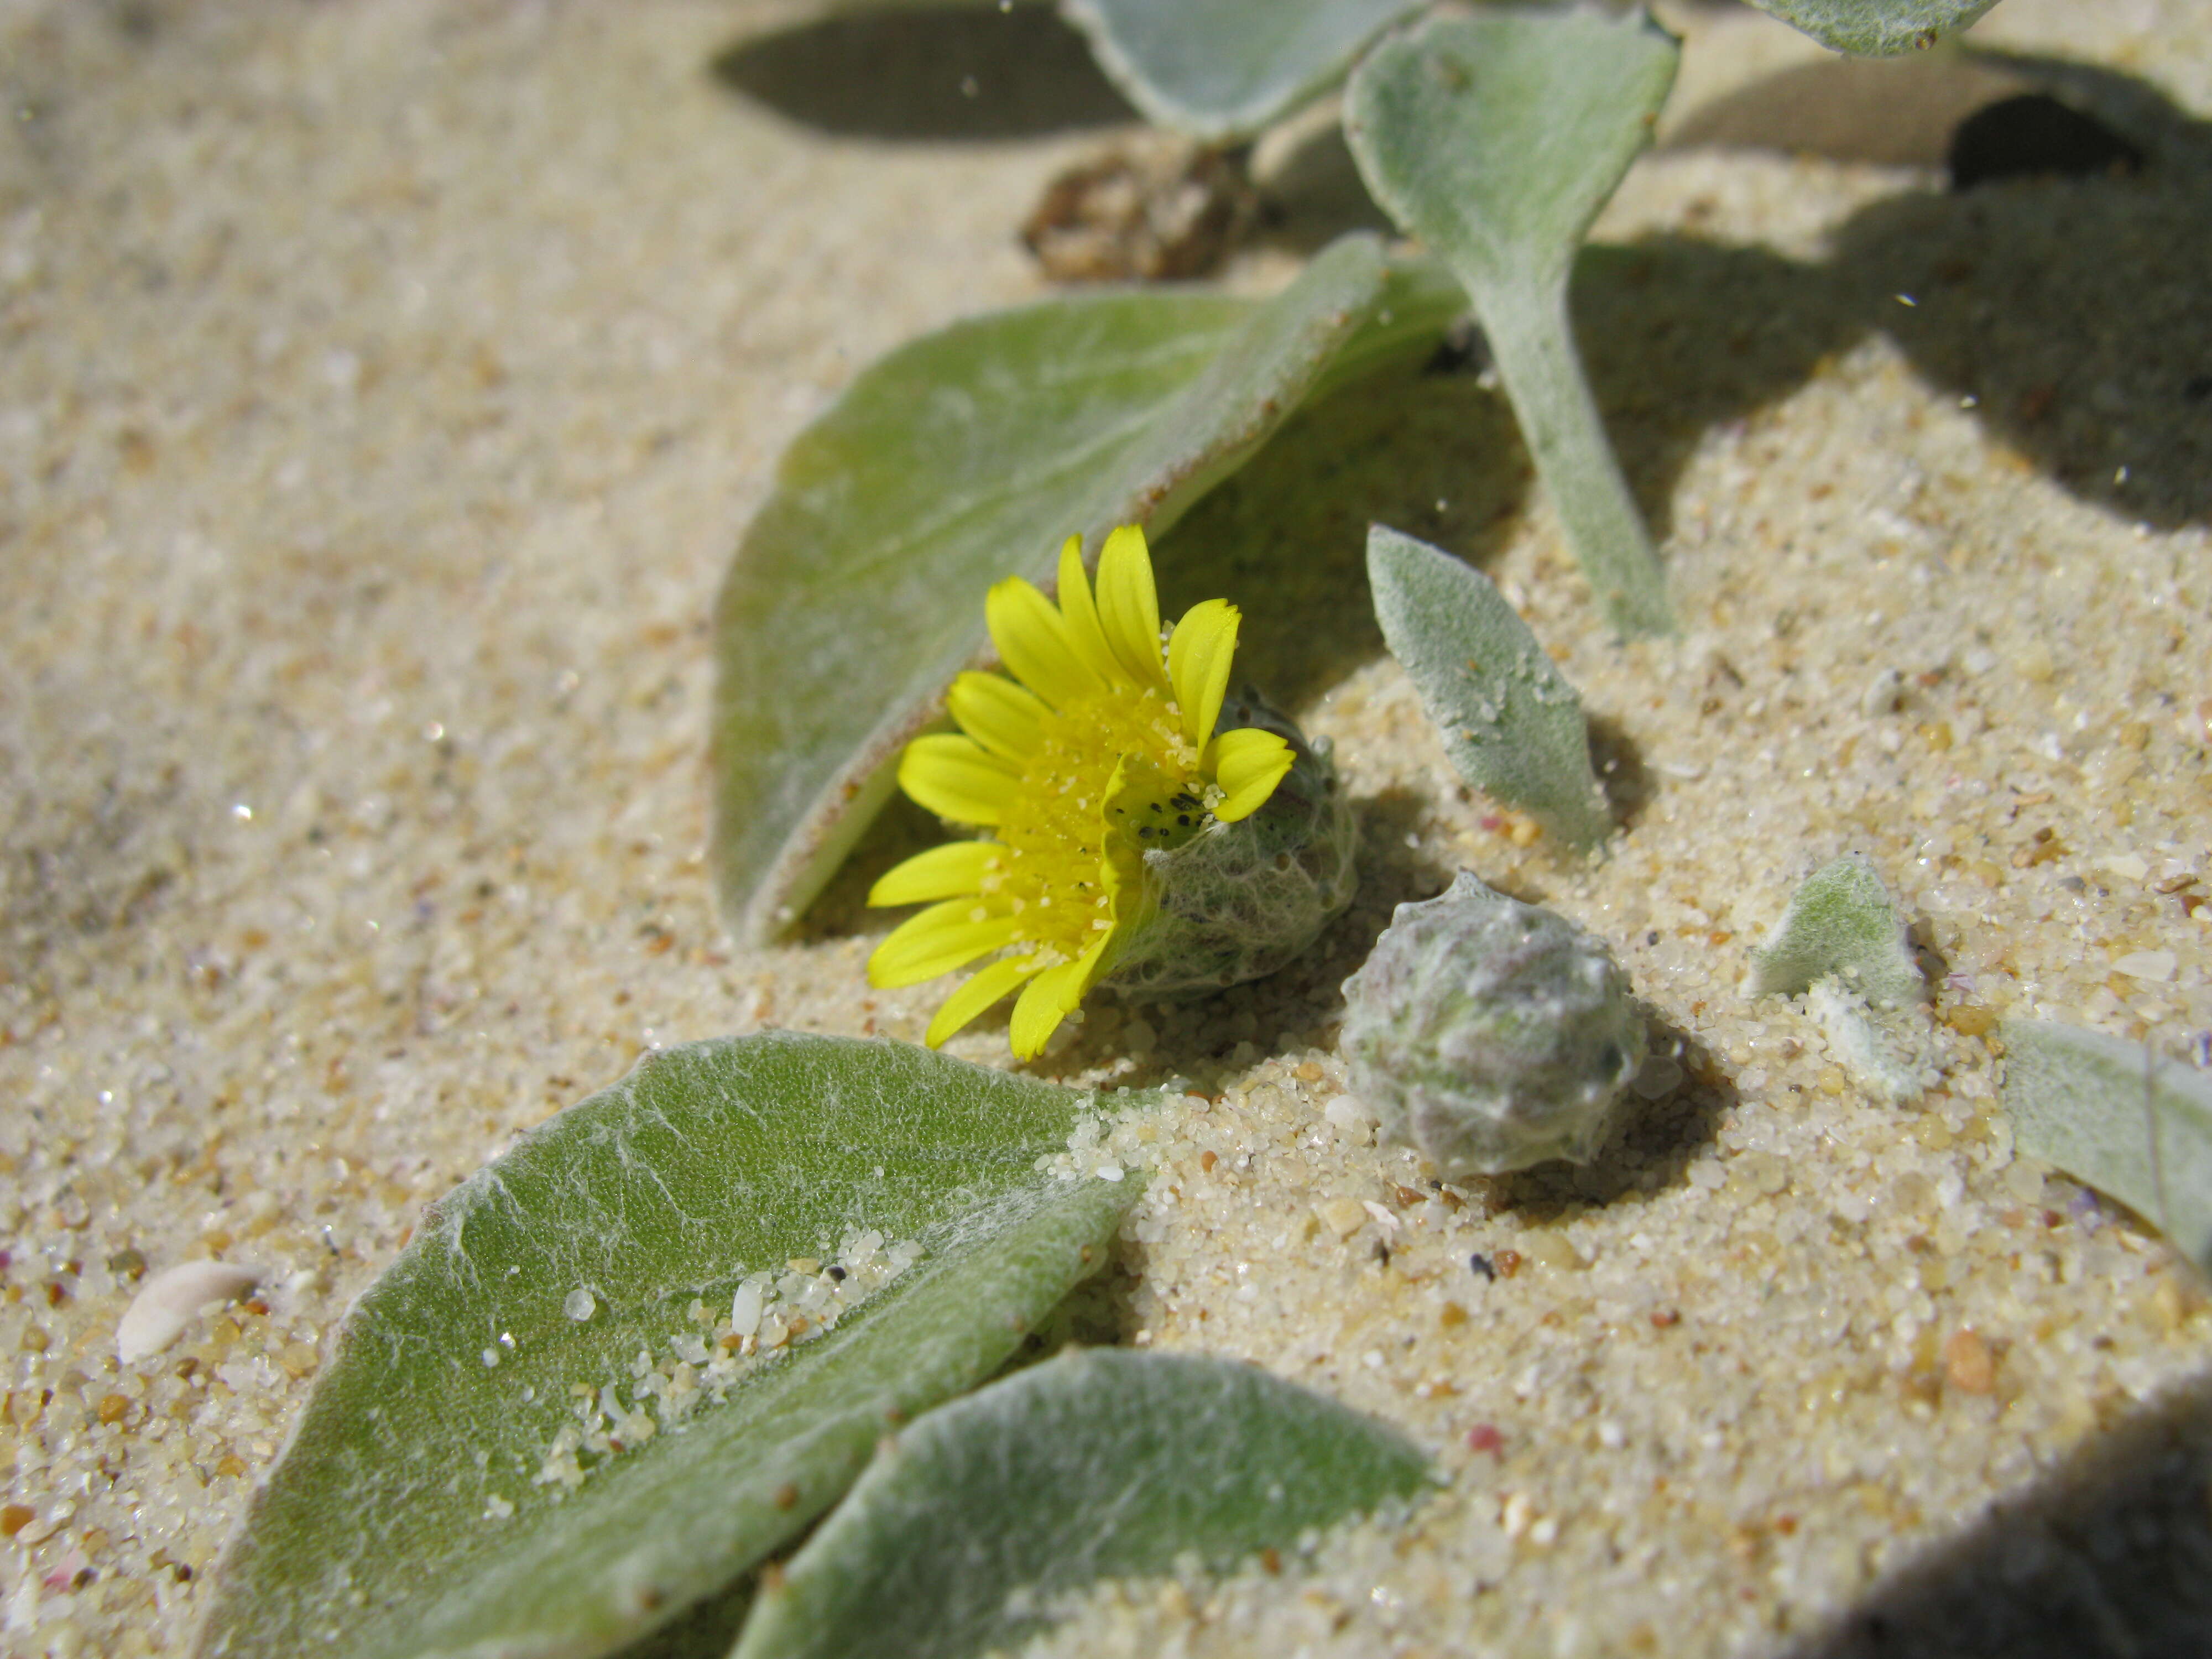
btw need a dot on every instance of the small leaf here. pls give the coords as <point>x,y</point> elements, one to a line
<point>1877,28</point>
<point>1496,139</point>
<point>2117,1116</point>
<point>959,459</point>
<point>1841,922</point>
<point>1223,69</point>
<point>1886,1051</point>
<point>1095,1464</point>
<point>1511,723</point>
<point>408,1515</point>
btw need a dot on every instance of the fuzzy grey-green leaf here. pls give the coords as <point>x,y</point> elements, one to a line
<point>1842,922</point>
<point>1877,28</point>
<point>408,1516</point>
<point>1510,722</point>
<point>1095,1464</point>
<point>1221,70</point>
<point>2119,1117</point>
<point>959,459</point>
<point>1496,139</point>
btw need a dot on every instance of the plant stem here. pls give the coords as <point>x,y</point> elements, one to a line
<point>1532,341</point>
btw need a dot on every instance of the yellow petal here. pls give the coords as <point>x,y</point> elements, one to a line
<point>955,869</point>
<point>1002,716</point>
<point>1129,606</point>
<point>1248,763</point>
<point>936,941</point>
<point>985,987</point>
<point>1036,644</point>
<point>1053,995</point>
<point>956,778</point>
<point>1198,655</point>
<point>1050,998</point>
<point>1082,614</point>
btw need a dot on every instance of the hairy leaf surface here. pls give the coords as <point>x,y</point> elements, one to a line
<point>1510,722</point>
<point>1222,69</point>
<point>959,459</point>
<point>2119,1117</point>
<point>1496,139</point>
<point>1877,28</point>
<point>1098,1465</point>
<point>1842,922</point>
<point>406,1518</point>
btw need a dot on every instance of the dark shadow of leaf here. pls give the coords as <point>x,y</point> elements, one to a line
<point>2109,1554</point>
<point>2068,308</point>
<point>2071,311</point>
<point>1680,336</point>
<point>708,1630</point>
<point>927,75</point>
<point>1284,538</point>
<point>1893,112</point>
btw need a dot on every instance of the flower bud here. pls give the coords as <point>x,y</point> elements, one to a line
<point>1239,900</point>
<point>1490,1034</point>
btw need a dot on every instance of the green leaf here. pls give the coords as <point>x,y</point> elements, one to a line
<point>1496,139</point>
<point>2117,1116</point>
<point>962,458</point>
<point>1511,723</point>
<point>1841,922</point>
<point>407,1518</point>
<point>1887,1050</point>
<point>1223,69</point>
<point>1877,28</point>
<point>1095,1464</point>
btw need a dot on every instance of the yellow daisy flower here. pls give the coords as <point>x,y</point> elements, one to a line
<point>1100,749</point>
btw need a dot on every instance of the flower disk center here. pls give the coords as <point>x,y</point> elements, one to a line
<point>1051,874</point>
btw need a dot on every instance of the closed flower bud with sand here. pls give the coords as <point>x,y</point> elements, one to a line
<point>1490,1034</point>
<point>1091,769</point>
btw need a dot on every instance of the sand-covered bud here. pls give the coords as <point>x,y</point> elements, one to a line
<point>1490,1034</point>
<point>1240,900</point>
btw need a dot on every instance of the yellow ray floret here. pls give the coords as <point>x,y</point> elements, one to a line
<point>1099,749</point>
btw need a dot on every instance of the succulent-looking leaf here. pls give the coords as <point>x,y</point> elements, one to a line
<point>408,1516</point>
<point>1511,723</point>
<point>1496,139</point>
<point>2117,1116</point>
<point>959,459</point>
<point>1877,28</point>
<point>1841,922</point>
<point>1095,1464</point>
<point>1221,70</point>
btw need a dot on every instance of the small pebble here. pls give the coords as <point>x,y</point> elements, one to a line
<point>1884,696</point>
<point>1968,1363</point>
<point>1343,1216</point>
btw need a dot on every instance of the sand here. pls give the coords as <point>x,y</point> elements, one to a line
<point>385,390</point>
